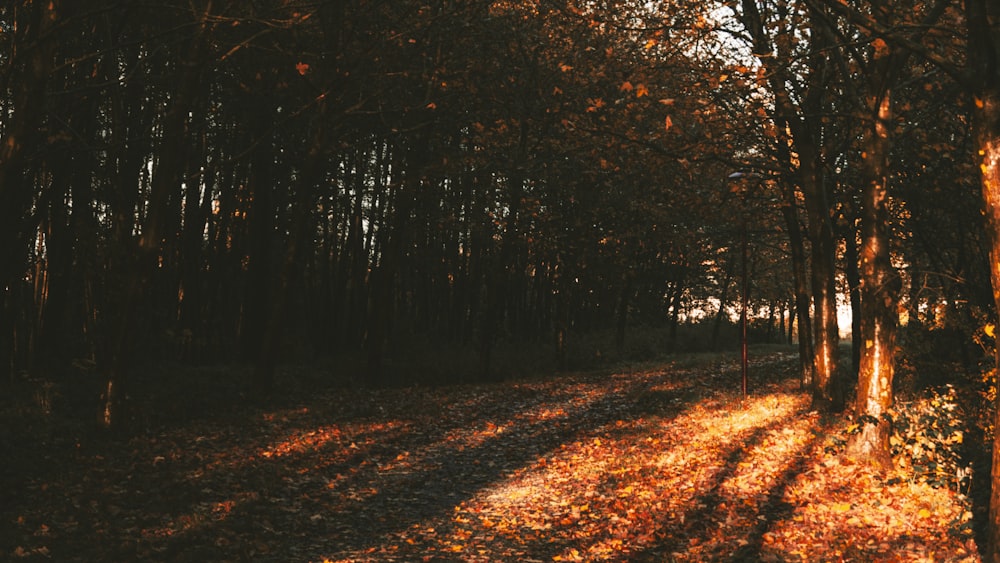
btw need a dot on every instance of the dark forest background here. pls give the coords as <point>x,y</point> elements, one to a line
<point>408,192</point>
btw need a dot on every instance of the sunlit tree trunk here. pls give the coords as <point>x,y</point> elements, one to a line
<point>989,143</point>
<point>827,391</point>
<point>983,21</point>
<point>803,120</point>
<point>880,283</point>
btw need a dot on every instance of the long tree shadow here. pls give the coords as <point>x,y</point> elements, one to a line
<point>340,494</point>
<point>359,502</point>
<point>698,523</point>
<point>699,527</point>
<point>454,476</point>
<point>774,509</point>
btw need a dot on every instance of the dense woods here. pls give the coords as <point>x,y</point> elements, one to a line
<point>285,181</point>
<point>461,192</point>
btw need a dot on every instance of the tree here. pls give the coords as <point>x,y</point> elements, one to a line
<point>801,116</point>
<point>983,27</point>
<point>26,74</point>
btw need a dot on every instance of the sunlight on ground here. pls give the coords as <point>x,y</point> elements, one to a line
<point>630,488</point>
<point>662,465</point>
<point>712,481</point>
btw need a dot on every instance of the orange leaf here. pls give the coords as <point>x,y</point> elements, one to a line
<point>303,68</point>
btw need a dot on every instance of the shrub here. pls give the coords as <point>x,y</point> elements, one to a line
<point>927,439</point>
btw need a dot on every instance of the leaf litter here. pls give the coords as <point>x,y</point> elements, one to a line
<point>661,464</point>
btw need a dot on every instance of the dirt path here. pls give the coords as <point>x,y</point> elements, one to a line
<point>656,465</point>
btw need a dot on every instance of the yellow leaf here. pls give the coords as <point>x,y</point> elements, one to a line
<point>924,513</point>
<point>723,77</point>
<point>841,507</point>
<point>990,329</point>
<point>650,44</point>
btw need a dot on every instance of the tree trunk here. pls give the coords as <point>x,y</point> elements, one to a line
<point>291,267</point>
<point>623,306</point>
<point>828,393</point>
<point>983,20</point>
<point>28,88</point>
<point>989,144</point>
<point>880,283</point>
<point>796,245</point>
<point>167,178</point>
<point>260,292</point>
<point>723,300</point>
<point>853,274</point>
<point>803,119</point>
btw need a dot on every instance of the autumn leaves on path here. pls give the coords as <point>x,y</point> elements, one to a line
<point>665,464</point>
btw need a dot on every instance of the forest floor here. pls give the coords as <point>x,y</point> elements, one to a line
<point>654,463</point>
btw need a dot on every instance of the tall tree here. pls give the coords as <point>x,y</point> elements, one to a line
<point>801,115</point>
<point>166,183</point>
<point>28,66</point>
<point>983,27</point>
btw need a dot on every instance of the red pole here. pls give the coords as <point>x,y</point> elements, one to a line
<point>744,356</point>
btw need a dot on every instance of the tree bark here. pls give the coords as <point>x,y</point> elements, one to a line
<point>880,283</point>
<point>983,21</point>
<point>796,245</point>
<point>803,120</point>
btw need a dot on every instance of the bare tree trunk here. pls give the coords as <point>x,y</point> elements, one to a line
<point>723,301</point>
<point>166,179</point>
<point>801,310</point>
<point>803,120</point>
<point>983,21</point>
<point>880,283</point>
<point>853,274</point>
<point>32,62</point>
<point>827,389</point>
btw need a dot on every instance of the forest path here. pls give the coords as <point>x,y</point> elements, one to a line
<point>665,463</point>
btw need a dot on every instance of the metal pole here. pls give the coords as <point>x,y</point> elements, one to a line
<point>744,356</point>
